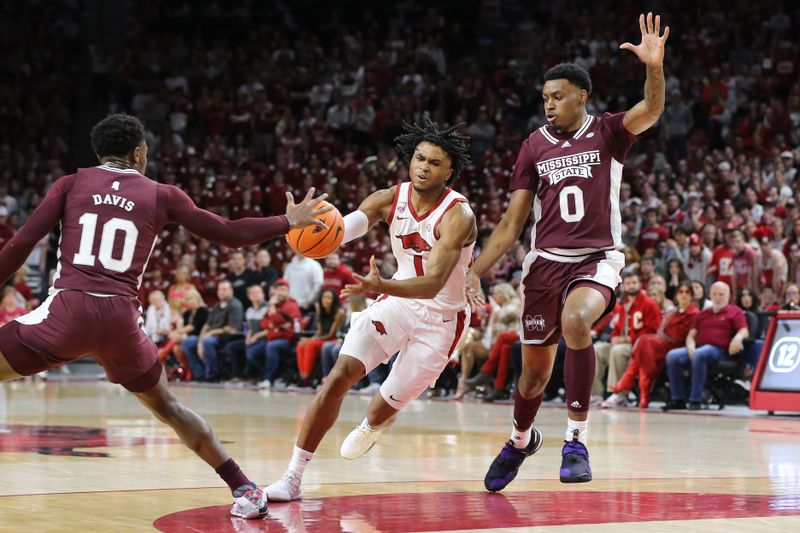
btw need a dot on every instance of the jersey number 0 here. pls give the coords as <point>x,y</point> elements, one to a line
<point>576,212</point>
<point>107,238</point>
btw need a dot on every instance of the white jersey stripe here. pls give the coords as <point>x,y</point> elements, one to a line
<point>547,135</point>
<point>584,127</point>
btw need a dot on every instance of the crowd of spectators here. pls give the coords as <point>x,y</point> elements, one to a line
<point>243,102</point>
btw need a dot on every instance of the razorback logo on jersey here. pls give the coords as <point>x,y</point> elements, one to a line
<point>379,327</point>
<point>414,241</point>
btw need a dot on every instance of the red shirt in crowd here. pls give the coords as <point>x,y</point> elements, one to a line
<point>678,322</point>
<point>722,259</point>
<point>280,324</point>
<point>337,278</point>
<point>642,316</point>
<point>650,237</point>
<point>718,328</point>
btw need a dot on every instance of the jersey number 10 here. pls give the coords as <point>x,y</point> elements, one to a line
<point>110,229</point>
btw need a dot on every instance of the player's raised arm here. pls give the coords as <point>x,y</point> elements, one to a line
<point>458,229</point>
<point>374,208</point>
<point>651,52</point>
<point>244,231</point>
<point>39,224</point>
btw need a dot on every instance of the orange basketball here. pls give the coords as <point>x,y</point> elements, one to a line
<point>316,242</point>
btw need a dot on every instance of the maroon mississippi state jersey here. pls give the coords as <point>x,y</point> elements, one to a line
<point>110,218</point>
<point>576,178</point>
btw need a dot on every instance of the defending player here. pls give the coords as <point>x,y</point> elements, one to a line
<point>422,310</point>
<point>110,216</point>
<point>569,173</point>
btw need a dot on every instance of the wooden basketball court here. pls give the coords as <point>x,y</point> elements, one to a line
<point>86,456</point>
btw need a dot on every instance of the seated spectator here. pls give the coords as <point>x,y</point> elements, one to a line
<point>265,273</point>
<point>652,233</point>
<point>495,369</point>
<point>240,352</point>
<point>329,321</point>
<point>647,269</point>
<point>657,291</point>
<point>699,295</point>
<point>191,323</point>
<point>769,302</point>
<point>748,302</point>
<point>504,311</point>
<point>305,277</point>
<point>281,323</point>
<point>336,274</point>
<point>636,314</point>
<point>716,333</point>
<point>224,319</point>
<point>791,298</point>
<point>176,295</point>
<point>240,277</point>
<point>675,276</point>
<point>210,279</point>
<point>158,318</point>
<point>650,350</point>
<point>9,306</point>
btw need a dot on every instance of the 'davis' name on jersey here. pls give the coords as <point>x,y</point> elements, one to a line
<point>113,199</point>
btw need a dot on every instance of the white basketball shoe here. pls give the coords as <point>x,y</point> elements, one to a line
<point>249,502</point>
<point>286,489</point>
<point>360,440</point>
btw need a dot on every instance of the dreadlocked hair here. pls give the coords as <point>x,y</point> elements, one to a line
<point>450,140</point>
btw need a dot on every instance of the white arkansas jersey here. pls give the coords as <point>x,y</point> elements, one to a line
<point>413,237</point>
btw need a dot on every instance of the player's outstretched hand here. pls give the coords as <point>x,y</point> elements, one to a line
<point>366,284</point>
<point>473,291</point>
<point>651,49</point>
<point>305,213</point>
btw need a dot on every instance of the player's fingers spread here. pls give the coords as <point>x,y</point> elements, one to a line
<point>626,46</point>
<point>323,209</point>
<point>649,22</point>
<point>309,194</point>
<point>666,34</point>
<point>658,25</point>
<point>320,198</point>
<point>289,198</point>
<point>320,223</point>
<point>641,24</point>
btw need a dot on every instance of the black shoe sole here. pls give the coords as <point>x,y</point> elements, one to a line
<point>581,478</point>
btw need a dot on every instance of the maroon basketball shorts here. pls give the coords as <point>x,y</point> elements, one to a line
<point>72,324</point>
<point>546,283</point>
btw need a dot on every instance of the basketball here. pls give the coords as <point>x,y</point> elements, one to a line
<point>316,242</point>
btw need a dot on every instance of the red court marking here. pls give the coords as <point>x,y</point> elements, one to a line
<point>445,511</point>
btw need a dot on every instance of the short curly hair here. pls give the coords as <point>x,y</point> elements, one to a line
<point>118,134</point>
<point>455,144</point>
<point>575,74</point>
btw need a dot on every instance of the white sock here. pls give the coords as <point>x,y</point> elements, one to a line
<point>520,439</point>
<point>582,427</point>
<point>300,460</point>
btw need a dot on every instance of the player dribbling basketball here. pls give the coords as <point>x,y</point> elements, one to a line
<point>422,310</point>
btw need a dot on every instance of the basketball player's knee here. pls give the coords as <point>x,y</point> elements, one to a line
<point>576,326</point>
<point>532,384</point>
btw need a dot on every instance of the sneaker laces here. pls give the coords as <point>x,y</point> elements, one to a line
<point>575,446</point>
